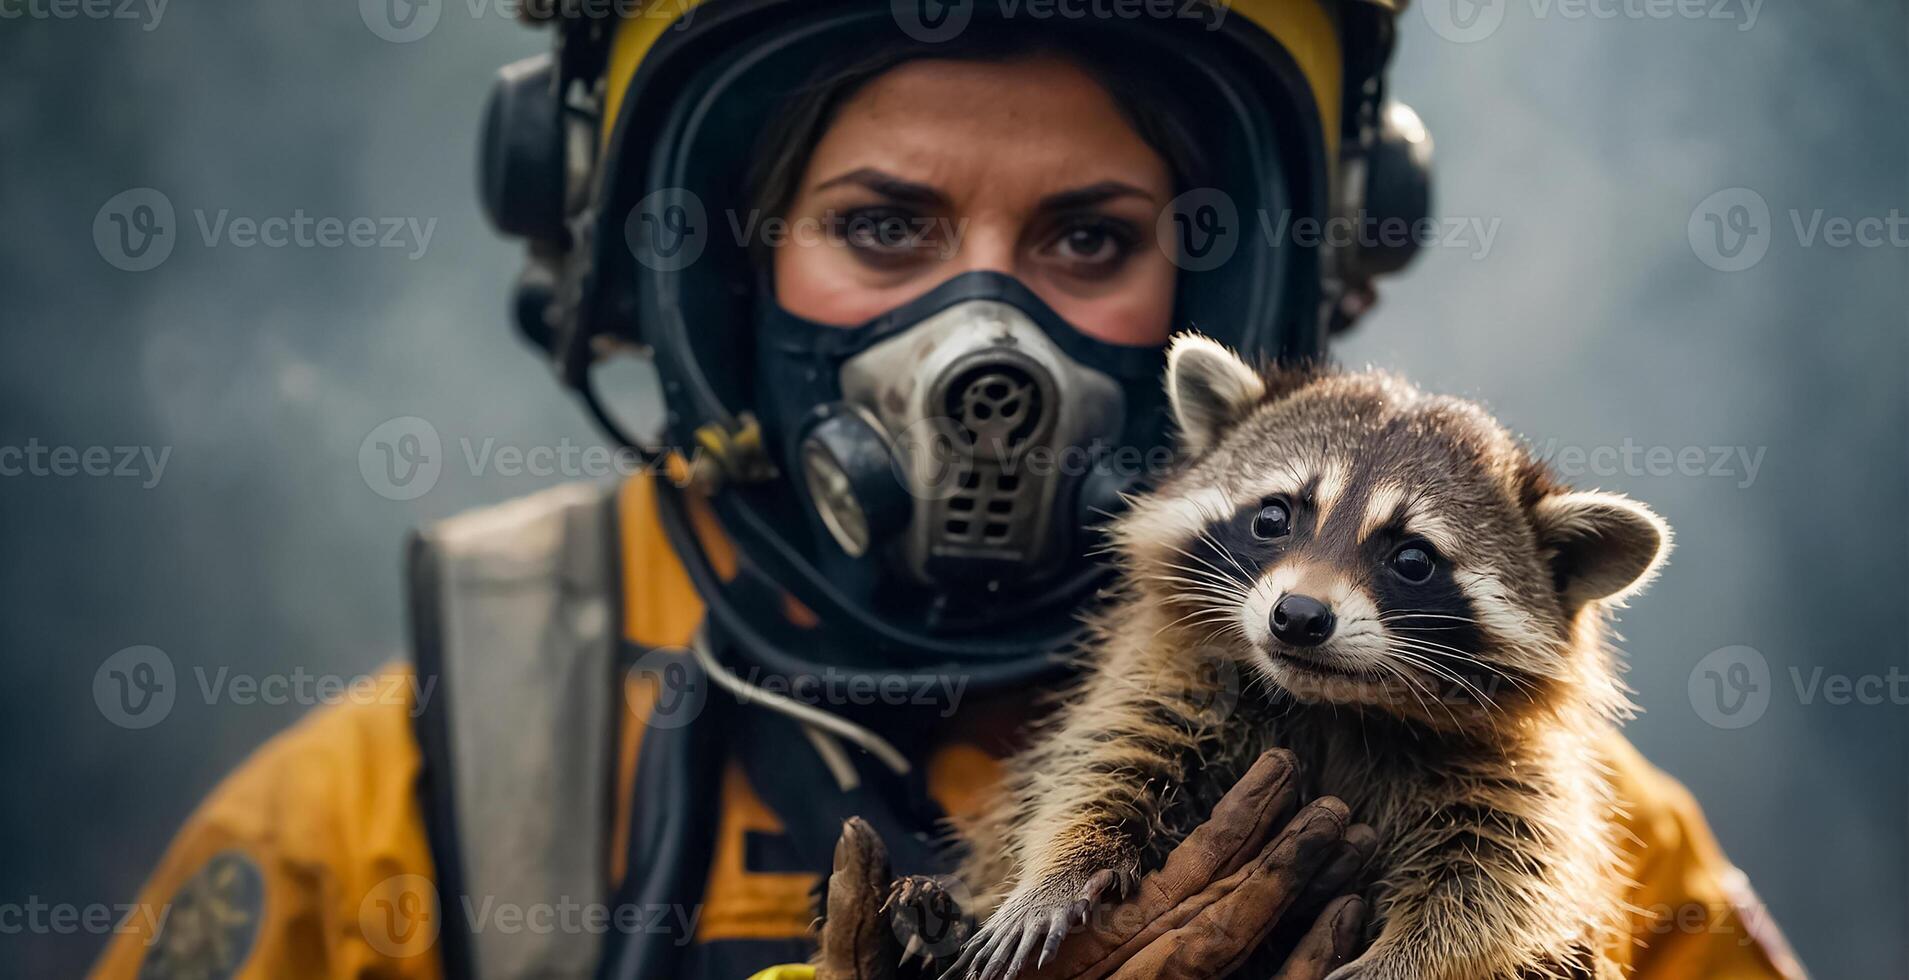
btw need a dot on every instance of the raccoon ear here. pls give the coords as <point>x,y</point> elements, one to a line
<point>1603,546</point>
<point>1208,388</point>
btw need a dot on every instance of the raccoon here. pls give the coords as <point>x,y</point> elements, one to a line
<point>1389,585</point>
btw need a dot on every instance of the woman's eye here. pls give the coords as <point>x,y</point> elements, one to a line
<point>882,230</point>
<point>1273,521</point>
<point>1413,563</point>
<point>1095,245</point>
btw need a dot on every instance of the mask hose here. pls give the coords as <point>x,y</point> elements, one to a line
<point>820,724</point>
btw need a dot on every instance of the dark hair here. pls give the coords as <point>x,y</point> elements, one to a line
<point>790,137</point>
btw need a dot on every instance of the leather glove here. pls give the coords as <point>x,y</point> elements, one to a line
<point>1256,890</point>
<point>856,941</point>
<point>1224,892</point>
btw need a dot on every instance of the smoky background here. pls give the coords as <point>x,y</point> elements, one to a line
<point>1596,318</point>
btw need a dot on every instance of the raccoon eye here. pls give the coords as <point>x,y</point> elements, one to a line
<point>1273,521</point>
<point>1413,563</point>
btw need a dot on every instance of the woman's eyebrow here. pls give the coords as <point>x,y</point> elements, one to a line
<point>1086,197</point>
<point>888,185</point>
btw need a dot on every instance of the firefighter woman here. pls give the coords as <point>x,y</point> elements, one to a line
<point>872,250</point>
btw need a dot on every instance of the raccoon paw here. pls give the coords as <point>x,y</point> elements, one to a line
<point>929,916</point>
<point>1038,915</point>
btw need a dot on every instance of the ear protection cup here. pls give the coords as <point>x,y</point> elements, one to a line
<point>521,152</point>
<point>1398,189</point>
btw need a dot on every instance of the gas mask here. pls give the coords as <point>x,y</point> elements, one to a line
<point>967,440</point>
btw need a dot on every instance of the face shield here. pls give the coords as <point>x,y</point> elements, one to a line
<point>928,483</point>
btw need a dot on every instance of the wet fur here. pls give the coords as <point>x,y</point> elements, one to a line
<point>1498,856</point>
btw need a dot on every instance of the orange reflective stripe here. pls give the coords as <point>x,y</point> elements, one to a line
<point>660,607</point>
<point>962,780</point>
<point>739,903</point>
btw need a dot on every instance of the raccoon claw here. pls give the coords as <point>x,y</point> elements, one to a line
<point>1030,924</point>
<point>928,916</point>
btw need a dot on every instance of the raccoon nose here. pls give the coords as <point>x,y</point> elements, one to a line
<point>1302,621</point>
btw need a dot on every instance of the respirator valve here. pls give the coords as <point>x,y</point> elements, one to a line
<point>850,474</point>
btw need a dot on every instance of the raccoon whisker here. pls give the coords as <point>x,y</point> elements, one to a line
<point>1206,617</point>
<point>1412,686</point>
<point>1426,665</point>
<point>1230,591</point>
<point>1196,573</point>
<point>1217,569</point>
<point>1418,648</point>
<point>1216,595</point>
<point>1426,614</point>
<point>1463,656</point>
<point>1208,537</point>
<point>1194,576</point>
<point>1222,579</point>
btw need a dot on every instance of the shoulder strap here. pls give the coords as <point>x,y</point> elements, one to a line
<point>514,618</point>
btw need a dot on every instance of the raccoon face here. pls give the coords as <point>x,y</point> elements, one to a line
<point>1354,541</point>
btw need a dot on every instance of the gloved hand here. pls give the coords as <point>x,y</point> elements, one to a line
<point>1248,880</point>
<point>1229,887</point>
<point>856,941</point>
